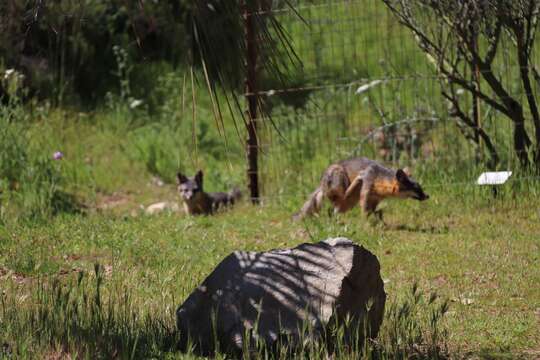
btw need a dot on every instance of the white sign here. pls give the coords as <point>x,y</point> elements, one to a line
<point>493,177</point>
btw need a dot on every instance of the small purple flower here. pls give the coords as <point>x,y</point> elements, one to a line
<point>58,155</point>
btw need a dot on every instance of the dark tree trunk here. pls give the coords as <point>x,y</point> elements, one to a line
<point>514,111</point>
<point>523,61</point>
<point>521,141</point>
<point>493,156</point>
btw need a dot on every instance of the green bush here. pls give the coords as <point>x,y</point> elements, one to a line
<point>69,46</point>
<point>31,182</point>
<point>30,179</point>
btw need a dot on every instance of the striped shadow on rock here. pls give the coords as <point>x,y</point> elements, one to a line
<point>284,297</point>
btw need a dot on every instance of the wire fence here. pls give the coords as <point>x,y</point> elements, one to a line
<point>365,88</point>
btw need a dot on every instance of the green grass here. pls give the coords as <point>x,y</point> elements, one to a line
<point>479,253</point>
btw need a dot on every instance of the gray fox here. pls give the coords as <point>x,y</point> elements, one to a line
<point>361,181</point>
<point>196,201</point>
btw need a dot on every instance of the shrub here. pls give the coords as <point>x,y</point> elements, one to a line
<point>31,181</point>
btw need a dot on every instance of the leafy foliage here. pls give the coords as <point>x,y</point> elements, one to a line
<point>74,41</point>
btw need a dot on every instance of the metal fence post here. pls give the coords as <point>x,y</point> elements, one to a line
<point>251,99</point>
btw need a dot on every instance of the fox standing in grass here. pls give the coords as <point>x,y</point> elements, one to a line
<point>363,181</point>
<point>198,202</point>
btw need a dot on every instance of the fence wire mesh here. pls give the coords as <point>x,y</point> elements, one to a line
<point>364,88</point>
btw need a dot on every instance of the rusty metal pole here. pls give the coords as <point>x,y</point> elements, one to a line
<point>251,99</point>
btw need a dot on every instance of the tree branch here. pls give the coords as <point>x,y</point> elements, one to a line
<point>459,113</point>
<point>493,43</point>
<point>448,31</point>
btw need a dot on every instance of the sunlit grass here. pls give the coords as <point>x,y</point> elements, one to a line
<point>479,254</point>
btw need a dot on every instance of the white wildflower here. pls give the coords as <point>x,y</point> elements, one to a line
<point>8,73</point>
<point>135,103</point>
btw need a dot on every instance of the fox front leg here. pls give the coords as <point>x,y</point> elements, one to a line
<point>369,207</point>
<point>379,215</point>
<point>368,202</point>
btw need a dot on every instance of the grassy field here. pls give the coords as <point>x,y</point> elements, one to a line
<point>84,273</point>
<point>479,253</point>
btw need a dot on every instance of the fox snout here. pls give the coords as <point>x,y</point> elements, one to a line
<point>408,187</point>
<point>419,194</point>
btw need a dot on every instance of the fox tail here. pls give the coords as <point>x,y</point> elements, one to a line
<point>234,195</point>
<point>312,206</point>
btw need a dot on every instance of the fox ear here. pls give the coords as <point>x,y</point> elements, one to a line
<point>407,171</point>
<point>181,178</point>
<point>199,177</point>
<point>401,176</point>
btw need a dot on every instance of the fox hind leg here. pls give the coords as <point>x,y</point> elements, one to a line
<point>350,197</point>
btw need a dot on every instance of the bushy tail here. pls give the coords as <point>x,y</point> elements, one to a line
<point>234,195</point>
<point>312,205</point>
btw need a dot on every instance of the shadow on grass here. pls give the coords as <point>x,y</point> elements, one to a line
<point>64,202</point>
<point>500,354</point>
<point>419,229</point>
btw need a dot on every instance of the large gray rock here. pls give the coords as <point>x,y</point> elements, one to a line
<point>273,295</point>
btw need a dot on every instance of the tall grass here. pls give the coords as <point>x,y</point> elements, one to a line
<point>86,317</point>
<point>31,181</point>
<point>78,318</point>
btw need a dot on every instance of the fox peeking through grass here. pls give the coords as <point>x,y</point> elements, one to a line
<point>361,181</point>
<point>199,202</point>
